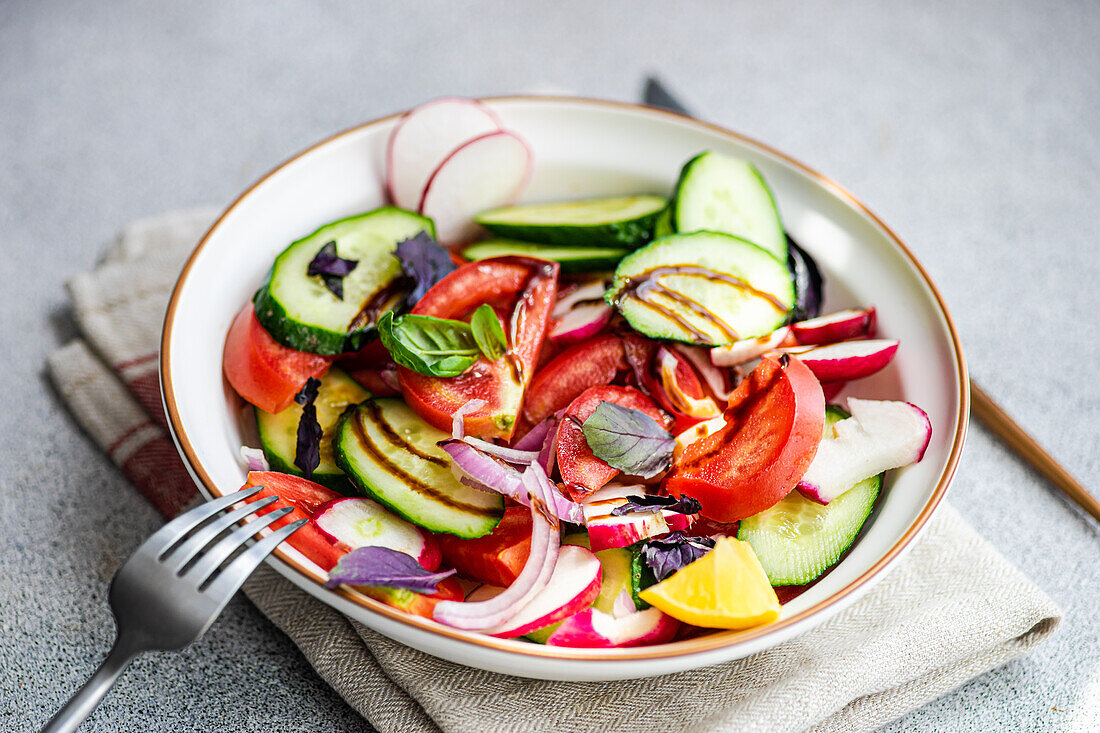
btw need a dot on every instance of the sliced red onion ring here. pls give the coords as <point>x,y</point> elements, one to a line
<point>458,429</point>
<point>700,359</point>
<point>535,437</point>
<point>481,471</point>
<point>389,376</point>
<point>512,455</point>
<point>254,458</point>
<point>545,542</point>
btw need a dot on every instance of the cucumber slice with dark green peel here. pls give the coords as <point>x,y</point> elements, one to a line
<point>615,221</point>
<point>391,455</point>
<point>279,431</point>
<point>723,194</point>
<point>300,312</point>
<point>641,577</point>
<point>572,259</point>
<point>703,288</point>
<point>798,539</point>
<point>663,226</point>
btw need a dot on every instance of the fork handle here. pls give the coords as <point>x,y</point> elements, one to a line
<point>81,705</point>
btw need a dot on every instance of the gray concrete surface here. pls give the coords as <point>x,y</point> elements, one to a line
<point>970,127</point>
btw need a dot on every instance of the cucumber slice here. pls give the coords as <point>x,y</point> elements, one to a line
<point>641,577</point>
<point>723,194</point>
<point>798,539</point>
<point>300,312</point>
<point>663,226</point>
<point>702,288</point>
<point>572,259</point>
<point>279,431</point>
<point>391,455</point>
<point>617,220</point>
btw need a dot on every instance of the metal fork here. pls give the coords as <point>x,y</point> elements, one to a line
<point>174,585</point>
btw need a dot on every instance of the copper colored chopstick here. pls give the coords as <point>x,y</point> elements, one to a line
<point>1004,427</point>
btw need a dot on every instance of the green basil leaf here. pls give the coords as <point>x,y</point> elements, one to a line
<point>489,332</point>
<point>434,347</point>
<point>628,440</point>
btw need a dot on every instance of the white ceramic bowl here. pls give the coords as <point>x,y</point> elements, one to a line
<point>581,148</point>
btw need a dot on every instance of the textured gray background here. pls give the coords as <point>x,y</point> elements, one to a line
<point>972,128</point>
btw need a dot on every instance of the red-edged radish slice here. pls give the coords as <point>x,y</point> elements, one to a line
<point>567,298</point>
<point>425,136</point>
<point>832,389</point>
<point>606,530</point>
<point>745,350</point>
<point>880,435</point>
<point>847,360</point>
<point>483,173</point>
<point>719,380</point>
<point>358,522</point>
<point>574,584</point>
<point>840,326</point>
<point>582,322</point>
<point>595,629</point>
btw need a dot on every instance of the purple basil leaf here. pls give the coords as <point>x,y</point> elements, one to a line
<point>667,554</point>
<point>331,268</point>
<point>381,566</point>
<point>425,262</point>
<point>650,502</point>
<point>628,440</point>
<point>307,455</point>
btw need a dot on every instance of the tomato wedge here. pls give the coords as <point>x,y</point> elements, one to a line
<point>262,371</point>
<point>571,372</point>
<point>498,557</point>
<point>774,422</point>
<point>581,471</point>
<point>524,288</point>
<point>303,497</point>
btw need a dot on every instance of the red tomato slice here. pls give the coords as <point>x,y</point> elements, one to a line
<point>677,387</point>
<point>498,557</point>
<point>774,422</point>
<point>303,497</point>
<point>571,372</point>
<point>581,471</point>
<point>263,371</point>
<point>418,604</point>
<point>522,287</point>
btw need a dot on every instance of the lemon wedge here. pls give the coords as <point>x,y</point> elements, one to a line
<point>724,589</point>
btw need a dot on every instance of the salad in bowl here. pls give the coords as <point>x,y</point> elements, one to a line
<point>607,421</point>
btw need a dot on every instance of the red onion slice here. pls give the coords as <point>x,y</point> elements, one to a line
<point>545,542</point>
<point>512,455</point>
<point>458,428</point>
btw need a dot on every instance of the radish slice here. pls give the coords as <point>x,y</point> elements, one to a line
<point>425,136</point>
<point>605,530</point>
<point>840,326</point>
<point>592,628</point>
<point>574,584</point>
<point>847,360</point>
<point>483,173</point>
<point>832,389</point>
<point>748,349</point>
<point>591,290</point>
<point>582,322</point>
<point>536,573</point>
<point>359,522</point>
<point>880,435</point>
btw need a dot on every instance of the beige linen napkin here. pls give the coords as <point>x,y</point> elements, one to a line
<point>953,608</point>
